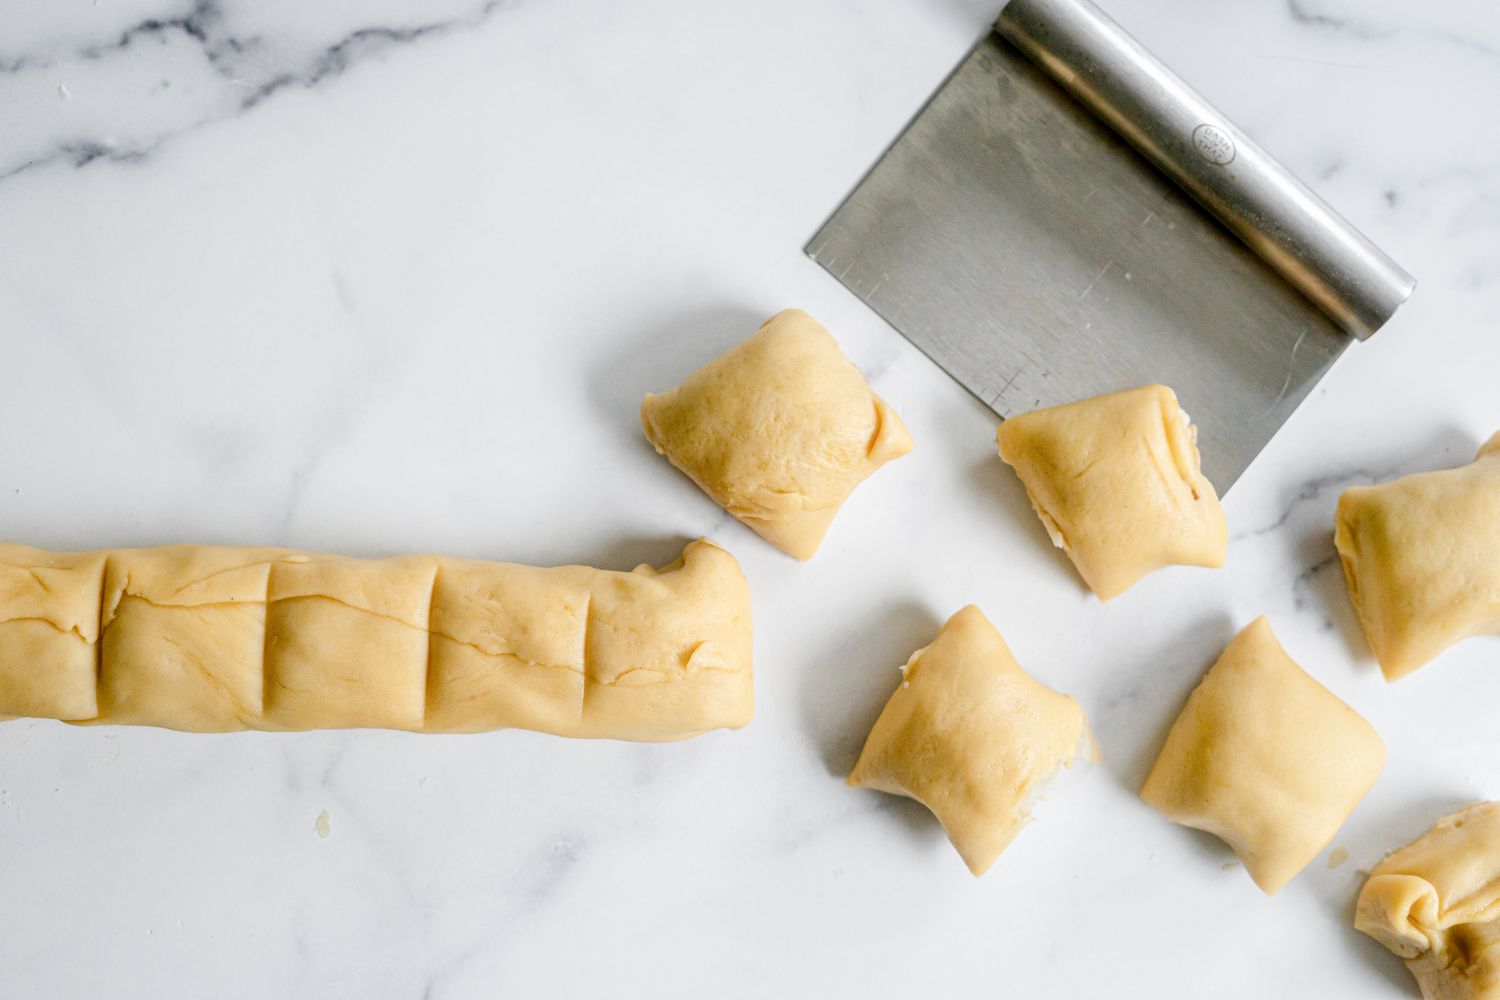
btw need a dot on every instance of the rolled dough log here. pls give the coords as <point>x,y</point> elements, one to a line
<point>1116,481</point>
<point>778,431</point>
<point>1421,556</point>
<point>971,736</point>
<point>1265,758</point>
<point>216,639</point>
<point>1436,903</point>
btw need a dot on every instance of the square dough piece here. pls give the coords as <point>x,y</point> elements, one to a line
<point>184,637</point>
<point>1116,481</point>
<point>507,647</point>
<point>1265,758</point>
<point>778,431</point>
<point>346,642</point>
<point>971,736</point>
<point>650,672</point>
<point>1421,556</point>
<point>1436,903</point>
<point>49,632</point>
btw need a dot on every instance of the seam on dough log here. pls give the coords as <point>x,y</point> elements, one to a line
<point>342,604</point>
<point>72,630</point>
<point>268,563</point>
<point>491,654</point>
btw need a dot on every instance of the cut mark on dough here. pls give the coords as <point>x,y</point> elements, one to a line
<point>431,636</point>
<point>588,624</point>
<point>322,826</point>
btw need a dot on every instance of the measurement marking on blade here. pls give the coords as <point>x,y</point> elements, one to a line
<point>1085,293</point>
<point>1149,216</point>
<point>1011,381</point>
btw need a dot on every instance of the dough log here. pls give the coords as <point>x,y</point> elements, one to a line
<point>1421,556</point>
<point>1436,903</point>
<point>218,639</point>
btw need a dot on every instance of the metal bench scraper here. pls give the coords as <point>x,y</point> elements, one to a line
<point>1067,217</point>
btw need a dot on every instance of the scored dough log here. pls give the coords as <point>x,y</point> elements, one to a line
<point>1436,903</point>
<point>1265,758</point>
<point>1421,556</point>
<point>778,431</point>
<point>971,736</point>
<point>1116,482</point>
<point>218,639</point>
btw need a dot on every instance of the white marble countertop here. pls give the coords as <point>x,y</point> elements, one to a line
<point>391,276</point>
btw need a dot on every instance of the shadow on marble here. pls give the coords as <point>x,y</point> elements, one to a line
<point>1131,721</point>
<point>1321,585</point>
<point>658,357</point>
<point>916,819</point>
<point>846,684</point>
<point>996,484</point>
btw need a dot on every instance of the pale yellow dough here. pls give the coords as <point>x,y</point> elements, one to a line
<point>1116,481</point>
<point>972,737</point>
<point>778,430</point>
<point>1421,556</point>
<point>214,639</point>
<point>1436,903</point>
<point>1265,758</point>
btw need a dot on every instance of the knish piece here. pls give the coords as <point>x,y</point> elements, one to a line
<point>1436,903</point>
<point>1116,481</point>
<point>971,736</point>
<point>1265,758</point>
<point>218,639</point>
<point>1421,556</point>
<point>778,430</point>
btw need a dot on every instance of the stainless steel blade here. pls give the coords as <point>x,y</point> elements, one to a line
<point>1036,257</point>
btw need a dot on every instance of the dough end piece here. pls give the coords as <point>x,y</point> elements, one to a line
<point>1436,904</point>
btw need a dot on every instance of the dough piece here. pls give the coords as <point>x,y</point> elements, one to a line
<point>1115,480</point>
<point>972,737</point>
<point>209,639</point>
<point>658,683</point>
<point>1436,903</point>
<point>184,636</point>
<point>1266,758</point>
<point>49,628</point>
<point>520,663</point>
<point>778,430</point>
<point>1421,556</point>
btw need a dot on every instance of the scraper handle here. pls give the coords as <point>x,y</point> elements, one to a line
<point>1297,233</point>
